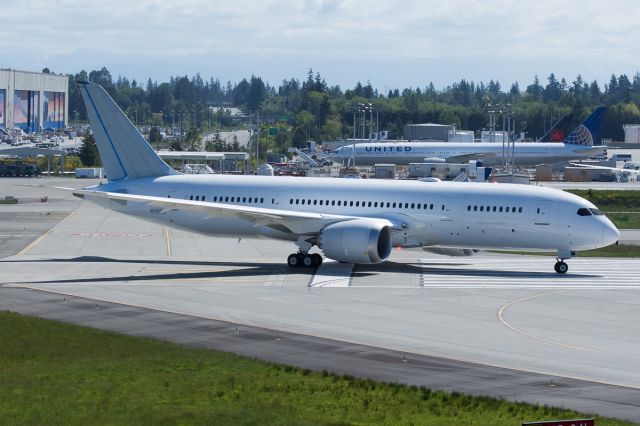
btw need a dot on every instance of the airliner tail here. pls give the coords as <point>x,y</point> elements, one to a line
<point>124,152</point>
<point>558,131</point>
<point>588,131</point>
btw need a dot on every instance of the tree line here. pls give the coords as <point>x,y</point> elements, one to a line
<point>312,109</point>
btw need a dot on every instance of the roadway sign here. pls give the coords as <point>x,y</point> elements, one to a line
<point>273,131</point>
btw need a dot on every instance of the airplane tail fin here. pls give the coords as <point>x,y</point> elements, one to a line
<point>588,131</point>
<point>124,152</point>
<point>558,131</point>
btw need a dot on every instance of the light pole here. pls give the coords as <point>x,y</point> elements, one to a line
<point>370,121</point>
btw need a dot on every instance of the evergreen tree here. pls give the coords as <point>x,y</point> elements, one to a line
<point>535,90</point>
<point>89,152</point>
<point>194,139</point>
<point>154,136</point>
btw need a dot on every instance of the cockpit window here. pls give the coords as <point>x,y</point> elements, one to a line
<point>596,212</point>
<point>584,212</point>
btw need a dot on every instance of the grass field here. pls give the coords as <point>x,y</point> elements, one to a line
<point>610,251</point>
<point>59,374</point>
<point>622,207</point>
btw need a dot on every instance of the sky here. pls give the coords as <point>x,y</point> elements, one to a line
<point>393,45</point>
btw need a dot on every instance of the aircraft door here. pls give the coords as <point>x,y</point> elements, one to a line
<point>451,210</point>
<point>278,198</point>
<point>543,212</point>
<point>450,228</point>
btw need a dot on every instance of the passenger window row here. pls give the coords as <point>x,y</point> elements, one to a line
<point>351,203</point>
<point>228,199</point>
<point>495,209</point>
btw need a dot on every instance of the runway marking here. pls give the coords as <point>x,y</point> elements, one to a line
<point>508,286</point>
<point>185,270</point>
<point>110,235</point>
<point>502,319</point>
<point>332,274</point>
<point>35,242</point>
<point>194,279</point>
<point>43,236</point>
<point>495,273</point>
<point>278,278</point>
<point>168,236</point>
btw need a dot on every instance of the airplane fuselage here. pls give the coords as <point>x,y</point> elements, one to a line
<point>451,214</point>
<point>354,221</point>
<point>490,153</point>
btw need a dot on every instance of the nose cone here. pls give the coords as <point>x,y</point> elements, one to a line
<point>610,234</point>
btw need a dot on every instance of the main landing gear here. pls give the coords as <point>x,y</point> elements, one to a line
<point>304,259</point>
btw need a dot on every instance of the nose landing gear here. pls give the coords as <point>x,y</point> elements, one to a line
<point>561,267</point>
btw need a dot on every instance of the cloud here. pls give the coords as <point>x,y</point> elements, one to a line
<point>584,36</point>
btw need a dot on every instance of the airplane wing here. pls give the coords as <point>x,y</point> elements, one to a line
<point>300,223</point>
<point>612,169</point>
<point>464,158</point>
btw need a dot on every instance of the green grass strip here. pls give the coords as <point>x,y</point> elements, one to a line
<point>610,251</point>
<point>59,374</point>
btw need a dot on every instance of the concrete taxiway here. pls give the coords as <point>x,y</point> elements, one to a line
<point>500,325</point>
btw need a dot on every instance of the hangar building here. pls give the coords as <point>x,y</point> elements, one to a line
<point>33,101</point>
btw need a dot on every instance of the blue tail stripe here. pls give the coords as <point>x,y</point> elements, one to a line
<point>95,109</point>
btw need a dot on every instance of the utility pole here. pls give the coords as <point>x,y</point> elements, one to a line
<point>370,122</point>
<point>258,139</point>
<point>363,109</point>
<point>356,110</point>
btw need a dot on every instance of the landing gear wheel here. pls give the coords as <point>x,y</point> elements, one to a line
<point>294,260</point>
<point>307,260</point>
<point>317,259</point>
<point>561,267</point>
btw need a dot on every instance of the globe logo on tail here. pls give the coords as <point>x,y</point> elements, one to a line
<point>580,136</point>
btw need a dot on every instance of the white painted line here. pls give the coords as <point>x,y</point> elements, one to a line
<point>332,274</point>
<point>511,286</point>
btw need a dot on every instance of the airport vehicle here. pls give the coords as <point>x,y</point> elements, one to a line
<point>350,220</point>
<point>89,173</point>
<point>578,145</point>
<point>13,169</point>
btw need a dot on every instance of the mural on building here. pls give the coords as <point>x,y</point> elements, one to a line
<point>25,110</point>
<point>2,122</point>
<point>53,110</point>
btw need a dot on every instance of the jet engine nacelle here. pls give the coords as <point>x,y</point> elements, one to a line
<point>450,251</point>
<point>434,160</point>
<point>357,241</point>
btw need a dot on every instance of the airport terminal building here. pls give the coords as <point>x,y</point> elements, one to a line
<point>33,101</point>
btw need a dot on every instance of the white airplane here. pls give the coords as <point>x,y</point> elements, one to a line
<point>350,220</point>
<point>578,145</point>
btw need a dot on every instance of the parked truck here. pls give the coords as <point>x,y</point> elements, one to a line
<point>89,173</point>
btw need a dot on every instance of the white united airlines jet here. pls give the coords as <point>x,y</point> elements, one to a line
<point>350,220</point>
<point>578,145</point>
